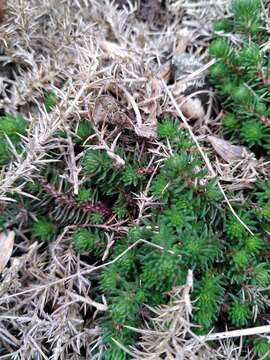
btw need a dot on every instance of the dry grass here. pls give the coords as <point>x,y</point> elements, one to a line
<point>85,50</point>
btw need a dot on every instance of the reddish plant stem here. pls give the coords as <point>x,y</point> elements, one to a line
<point>145,171</point>
<point>68,199</point>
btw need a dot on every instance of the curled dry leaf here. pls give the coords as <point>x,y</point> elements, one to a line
<point>155,13</point>
<point>113,50</point>
<point>6,246</point>
<point>154,106</point>
<point>165,72</point>
<point>146,131</point>
<point>227,151</point>
<point>152,109</point>
<point>191,107</point>
<point>183,38</point>
<point>108,110</point>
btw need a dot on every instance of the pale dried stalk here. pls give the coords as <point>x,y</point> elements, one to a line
<point>258,330</point>
<point>6,246</point>
<point>87,300</point>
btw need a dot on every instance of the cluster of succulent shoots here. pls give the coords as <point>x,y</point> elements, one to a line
<point>241,75</point>
<point>195,231</point>
<point>187,227</point>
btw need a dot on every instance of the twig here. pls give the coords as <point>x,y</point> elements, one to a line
<point>119,162</point>
<point>88,301</point>
<point>236,333</point>
<point>74,171</point>
<point>134,105</point>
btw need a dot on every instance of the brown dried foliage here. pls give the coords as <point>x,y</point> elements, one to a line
<point>3,5</point>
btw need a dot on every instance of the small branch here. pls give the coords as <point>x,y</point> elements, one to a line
<point>74,171</point>
<point>133,104</point>
<point>119,162</point>
<point>236,333</point>
<point>88,301</point>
